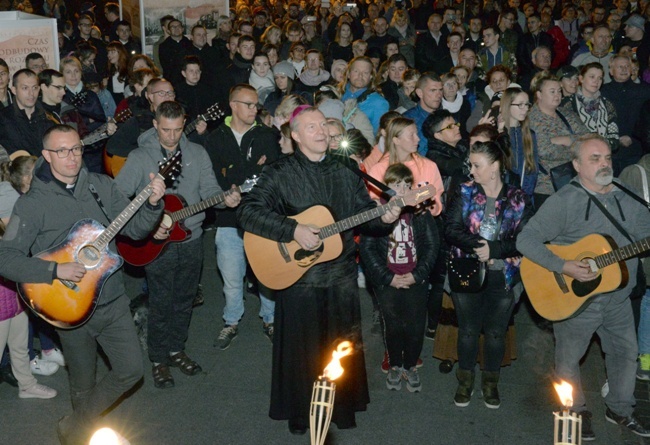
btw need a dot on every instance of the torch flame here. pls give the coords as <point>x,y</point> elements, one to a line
<point>565,392</point>
<point>334,370</point>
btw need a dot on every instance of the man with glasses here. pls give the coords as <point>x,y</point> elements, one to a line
<point>85,24</point>
<point>125,139</point>
<point>35,62</point>
<point>239,148</point>
<point>172,52</point>
<point>60,195</point>
<point>23,123</point>
<point>173,277</point>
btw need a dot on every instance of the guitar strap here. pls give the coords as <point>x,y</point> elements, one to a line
<point>385,190</point>
<point>93,192</point>
<point>633,195</point>
<point>602,208</point>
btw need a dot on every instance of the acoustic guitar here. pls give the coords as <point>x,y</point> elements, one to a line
<point>557,296</point>
<point>279,265</point>
<point>100,134</point>
<point>113,163</point>
<point>67,304</point>
<point>143,252</point>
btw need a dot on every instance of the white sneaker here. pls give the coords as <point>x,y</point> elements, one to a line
<point>41,367</point>
<point>37,391</point>
<point>55,356</point>
<point>361,280</point>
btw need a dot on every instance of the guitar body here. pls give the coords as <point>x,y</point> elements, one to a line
<point>279,265</point>
<point>556,296</point>
<point>113,163</point>
<point>143,252</point>
<point>68,307</point>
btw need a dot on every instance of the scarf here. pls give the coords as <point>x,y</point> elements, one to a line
<point>453,107</point>
<point>402,29</point>
<point>313,80</point>
<point>264,85</point>
<point>592,112</point>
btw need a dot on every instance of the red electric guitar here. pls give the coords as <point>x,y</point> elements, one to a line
<point>143,252</point>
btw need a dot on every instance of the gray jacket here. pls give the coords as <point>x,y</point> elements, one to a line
<point>569,215</point>
<point>195,183</point>
<point>43,217</point>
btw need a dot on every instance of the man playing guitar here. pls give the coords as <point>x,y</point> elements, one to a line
<point>567,216</point>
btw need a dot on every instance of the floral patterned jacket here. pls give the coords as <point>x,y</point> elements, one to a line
<point>463,220</point>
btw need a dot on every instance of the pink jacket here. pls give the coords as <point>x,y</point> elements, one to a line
<point>9,304</point>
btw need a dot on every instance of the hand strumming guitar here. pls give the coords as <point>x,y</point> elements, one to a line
<point>578,270</point>
<point>70,271</point>
<point>307,236</point>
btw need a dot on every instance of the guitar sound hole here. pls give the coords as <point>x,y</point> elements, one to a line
<point>89,256</point>
<point>582,289</point>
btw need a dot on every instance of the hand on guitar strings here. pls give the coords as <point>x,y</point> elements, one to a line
<point>307,236</point>
<point>233,198</point>
<point>162,232</point>
<point>111,128</point>
<point>157,189</point>
<point>201,126</point>
<point>578,270</point>
<point>70,271</point>
<point>393,213</point>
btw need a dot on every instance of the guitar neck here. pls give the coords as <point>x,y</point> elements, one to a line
<point>357,220</point>
<point>114,228</point>
<point>622,254</point>
<point>192,125</point>
<point>96,135</point>
<point>193,209</point>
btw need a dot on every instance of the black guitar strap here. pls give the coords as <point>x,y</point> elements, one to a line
<point>385,190</point>
<point>93,191</point>
<point>602,208</point>
<point>633,195</point>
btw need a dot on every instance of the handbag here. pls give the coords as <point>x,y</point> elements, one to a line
<point>466,275</point>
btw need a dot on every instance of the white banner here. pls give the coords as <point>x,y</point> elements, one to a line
<point>22,34</point>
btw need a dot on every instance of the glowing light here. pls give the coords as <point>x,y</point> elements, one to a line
<point>565,392</point>
<point>105,436</point>
<point>334,370</point>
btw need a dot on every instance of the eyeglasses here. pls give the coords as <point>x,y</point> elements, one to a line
<point>523,105</point>
<point>249,105</point>
<point>163,93</point>
<point>39,67</point>
<point>449,127</point>
<point>63,153</point>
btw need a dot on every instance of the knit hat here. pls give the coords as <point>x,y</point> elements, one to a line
<point>332,108</point>
<point>338,62</point>
<point>284,68</point>
<point>637,21</point>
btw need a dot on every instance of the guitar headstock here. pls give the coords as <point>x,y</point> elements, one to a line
<point>123,115</point>
<point>213,113</point>
<point>170,169</point>
<point>248,185</point>
<point>419,195</point>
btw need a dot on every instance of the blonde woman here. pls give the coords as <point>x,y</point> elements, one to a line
<point>402,147</point>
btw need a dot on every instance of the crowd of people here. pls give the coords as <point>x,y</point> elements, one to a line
<point>517,118</point>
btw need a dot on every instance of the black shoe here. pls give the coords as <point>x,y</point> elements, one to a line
<point>7,375</point>
<point>162,376</point>
<point>587,431</point>
<point>430,334</point>
<point>628,422</point>
<point>297,428</point>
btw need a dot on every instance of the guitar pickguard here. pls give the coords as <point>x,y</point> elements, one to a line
<point>584,288</point>
<point>305,258</point>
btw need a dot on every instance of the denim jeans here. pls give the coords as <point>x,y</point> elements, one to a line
<point>231,262</point>
<point>45,334</point>
<point>612,319</point>
<point>488,310</point>
<point>644,324</point>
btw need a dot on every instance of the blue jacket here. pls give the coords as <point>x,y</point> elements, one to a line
<point>529,179</point>
<point>373,105</point>
<point>419,116</point>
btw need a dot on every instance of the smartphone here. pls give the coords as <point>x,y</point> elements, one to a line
<point>349,7</point>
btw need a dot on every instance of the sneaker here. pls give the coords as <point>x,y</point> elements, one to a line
<point>643,370</point>
<point>41,367</point>
<point>226,336</point>
<point>628,422</point>
<point>587,432</point>
<point>430,334</point>
<point>37,391</point>
<point>385,364</point>
<point>394,378</point>
<point>268,331</point>
<point>412,379</point>
<point>53,355</point>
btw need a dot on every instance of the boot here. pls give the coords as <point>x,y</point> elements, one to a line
<point>465,387</point>
<point>489,382</point>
